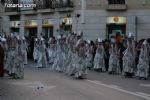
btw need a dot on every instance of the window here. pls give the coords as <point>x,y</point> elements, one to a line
<point>53,3</point>
<point>116,2</point>
<point>2,1</point>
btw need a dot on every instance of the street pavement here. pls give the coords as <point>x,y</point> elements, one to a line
<point>44,84</point>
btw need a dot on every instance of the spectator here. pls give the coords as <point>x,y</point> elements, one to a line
<point>2,55</point>
<point>106,55</point>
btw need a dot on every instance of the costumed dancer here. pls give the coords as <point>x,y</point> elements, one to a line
<point>81,68</point>
<point>51,50</point>
<point>113,66</point>
<point>99,57</point>
<point>11,55</point>
<point>143,65</point>
<point>42,61</point>
<point>73,63</point>
<point>59,61</point>
<point>36,51</point>
<point>19,61</point>
<point>25,48</point>
<point>65,53</point>
<point>71,55</point>
<point>129,58</point>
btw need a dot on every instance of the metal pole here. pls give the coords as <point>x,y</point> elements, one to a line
<point>136,28</point>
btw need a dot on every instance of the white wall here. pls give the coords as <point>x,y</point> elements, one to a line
<point>95,23</point>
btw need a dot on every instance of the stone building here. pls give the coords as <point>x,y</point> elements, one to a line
<point>45,18</point>
<point>98,18</point>
<point>102,18</point>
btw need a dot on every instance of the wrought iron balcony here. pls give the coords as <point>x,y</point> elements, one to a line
<point>40,5</point>
<point>117,7</point>
<point>64,3</point>
<point>52,4</point>
<point>16,9</point>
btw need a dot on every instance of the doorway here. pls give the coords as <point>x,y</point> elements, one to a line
<point>31,34</point>
<point>47,32</point>
<point>14,30</point>
<point>116,31</point>
<point>68,28</point>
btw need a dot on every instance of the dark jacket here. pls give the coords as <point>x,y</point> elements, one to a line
<point>1,61</point>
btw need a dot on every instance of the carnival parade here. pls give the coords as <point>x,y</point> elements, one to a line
<point>72,55</point>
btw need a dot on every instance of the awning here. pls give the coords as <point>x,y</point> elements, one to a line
<point>29,26</point>
<point>47,25</point>
<point>116,20</point>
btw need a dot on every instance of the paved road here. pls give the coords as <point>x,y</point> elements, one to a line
<point>43,84</point>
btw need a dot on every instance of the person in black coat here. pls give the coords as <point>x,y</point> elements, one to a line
<point>2,55</point>
<point>107,54</point>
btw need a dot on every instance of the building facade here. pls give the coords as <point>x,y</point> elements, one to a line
<point>46,18</point>
<point>96,18</point>
<point>103,18</point>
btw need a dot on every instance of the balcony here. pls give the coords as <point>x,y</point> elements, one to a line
<point>59,5</point>
<point>116,7</point>
<point>42,6</point>
<point>64,6</point>
<point>12,9</point>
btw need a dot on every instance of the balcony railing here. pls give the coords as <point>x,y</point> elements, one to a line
<point>62,3</point>
<point>117,7</point>
<point>40,4</point>
<point>16,9</point>
<point>52,4</point>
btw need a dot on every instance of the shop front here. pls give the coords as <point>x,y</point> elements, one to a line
<point>116,28</point>
<point>31,34</point>
<point>31,28</point>
<point>47,28</point>
<point>14,26</point>
<point>14,23</point>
